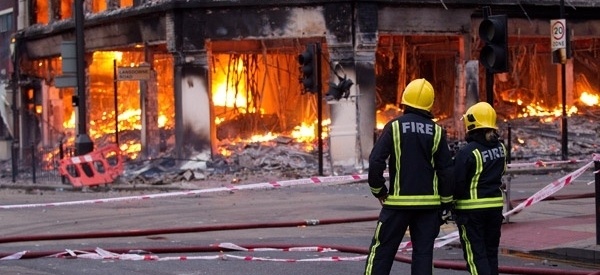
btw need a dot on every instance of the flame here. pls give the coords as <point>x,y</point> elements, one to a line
<point>224,91</point>
<point>304,132</point>
<point>389,112</point>
<point>589,99</point>
<point>70,123</point>
<point>102,94</point>
<point>162,121</point>
<point>236,97</point>
<point>538,110</point>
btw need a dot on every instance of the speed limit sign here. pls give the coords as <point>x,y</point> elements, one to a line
<point>558,38</point>
<point>558,34</point>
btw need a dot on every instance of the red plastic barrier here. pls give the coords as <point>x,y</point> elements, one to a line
<point>98,167</point>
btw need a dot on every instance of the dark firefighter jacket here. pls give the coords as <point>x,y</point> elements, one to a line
<point>419,162</point>
<point>479,167</point>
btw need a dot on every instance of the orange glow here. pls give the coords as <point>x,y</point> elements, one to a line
<point>70,123</point>
<point>98,6</point>
<point>253,104</point>
<point>538,110</point>
<point>126,3</point>
<point>101,106</point>
<point>589,99</point>
<point>66,9</point>
<point>389,112</point>
<point>162,121</point>
<point>229,93</point>
<point>42,14</point>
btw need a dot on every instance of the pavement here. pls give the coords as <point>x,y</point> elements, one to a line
<point>564,226</point>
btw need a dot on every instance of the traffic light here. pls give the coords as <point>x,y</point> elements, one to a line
<point>493,30</point>
<point>308,68</point>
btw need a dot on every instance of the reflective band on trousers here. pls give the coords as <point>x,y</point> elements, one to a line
<point>480,203</point>
<point>418,200</point>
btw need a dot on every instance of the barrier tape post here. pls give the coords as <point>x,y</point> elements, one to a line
<point>93,168</point>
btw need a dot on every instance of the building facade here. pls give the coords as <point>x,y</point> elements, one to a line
<point>228,70</point>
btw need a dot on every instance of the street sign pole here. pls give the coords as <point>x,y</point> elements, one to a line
<point>564,128</point>
<point>83,143</point>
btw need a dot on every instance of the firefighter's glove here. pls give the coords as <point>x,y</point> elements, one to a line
<point>383,192</point>
<point>381,195</point>
<point>382,199</point>
<point>446,214</point>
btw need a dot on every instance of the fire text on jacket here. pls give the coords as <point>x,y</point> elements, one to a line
<point>491,154</point>
<point>417,127</point>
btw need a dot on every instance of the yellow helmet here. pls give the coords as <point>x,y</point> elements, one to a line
<point>418,94</point>
<point>480,115</point>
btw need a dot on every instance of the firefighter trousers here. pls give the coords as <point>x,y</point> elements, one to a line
<point>424,227</point>
<point>480,238</point>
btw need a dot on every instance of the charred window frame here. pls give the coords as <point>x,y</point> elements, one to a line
<point>6,21</point>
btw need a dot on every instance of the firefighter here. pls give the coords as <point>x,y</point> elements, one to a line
<point>415,151</point>
<point>479,166</point>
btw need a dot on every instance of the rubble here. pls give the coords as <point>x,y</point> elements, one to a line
<point>532,138</point>
<point>278,159</point>
<point>538,138</point>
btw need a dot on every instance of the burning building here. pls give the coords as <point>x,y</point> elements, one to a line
<point>228,71</point>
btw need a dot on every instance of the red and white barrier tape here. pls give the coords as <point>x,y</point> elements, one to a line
<point>232,246</point>
<point>404,246</point>
<point>263,185</point>
<point>551,188</point>
<point>101,254</point>
<point>541,163</point>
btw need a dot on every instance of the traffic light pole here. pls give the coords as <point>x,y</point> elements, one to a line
<point>489,86</point>
<point>489,74</point>
<point>319,107</point>
<point>83,143</point>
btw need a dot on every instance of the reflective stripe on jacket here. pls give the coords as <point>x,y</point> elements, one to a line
<point>415,148</point>
<point>479,170</point>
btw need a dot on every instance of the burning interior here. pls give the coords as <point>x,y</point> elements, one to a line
<point>255,95</point>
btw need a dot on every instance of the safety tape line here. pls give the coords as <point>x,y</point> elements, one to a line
<point>404,246</point>
<point>439,242</point>
<point>549,189</point>
<point>232,246</point>
<point>541,163</point>
<point>320,259</point>
<point>263,185</point>
<point>102,254</point>
<point>535,198</point>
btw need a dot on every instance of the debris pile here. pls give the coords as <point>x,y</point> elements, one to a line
<point>539,138</point>
<point>270,160</point>
<point>532,139</point>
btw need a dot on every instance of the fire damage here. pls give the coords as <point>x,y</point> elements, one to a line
<point>226,102</point>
